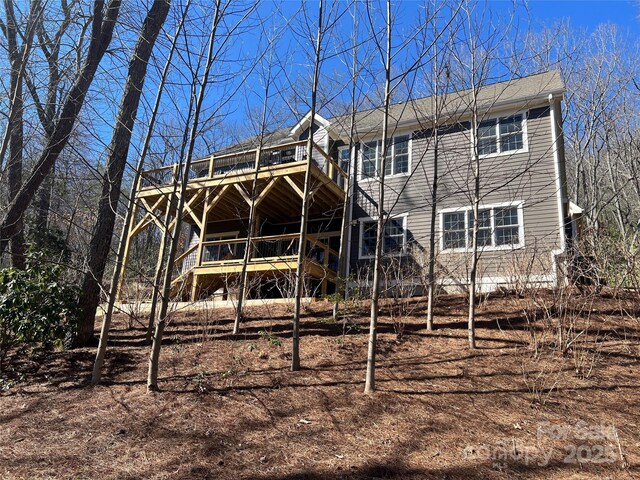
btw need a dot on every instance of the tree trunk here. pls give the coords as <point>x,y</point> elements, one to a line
<point>431,277</point>
<point>119,268</point>
<point>370,384</point>
<point>473,272</point>
<point>302,238</point>
<point>101,33</point>
<point>44,201</point>
<point>248,246</point>
<point>345,224</point>
<point>14,134</point>
<point>14,167</point>
<point>154,356</point>
<point>100,243</point>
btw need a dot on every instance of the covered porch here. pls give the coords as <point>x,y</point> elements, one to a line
<point>219,197</point>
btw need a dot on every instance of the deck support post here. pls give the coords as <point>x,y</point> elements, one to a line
<point>127,245</point>
<point>166,223</point>
<point>203,235</point>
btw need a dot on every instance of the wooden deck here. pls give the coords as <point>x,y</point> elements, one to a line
<point>223,260</point>
<point>220,189</point>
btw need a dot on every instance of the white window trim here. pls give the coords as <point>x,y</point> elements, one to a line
<point>364,220</point>
<point>497,117</point>
<point>485,248</point>
<point>376,175</point>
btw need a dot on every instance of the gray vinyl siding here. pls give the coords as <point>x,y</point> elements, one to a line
<point>527,177</point>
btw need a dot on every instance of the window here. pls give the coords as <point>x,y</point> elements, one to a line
<point>394,236</point>
<point>498,227</point>
<point>454,230</point>
<point>398,158</point>
<point>370,158</point>
<point>501,135</point>
<point>343,163</point>
<point>506,226</point>
<point>484,227</point>
<point>398,161</point>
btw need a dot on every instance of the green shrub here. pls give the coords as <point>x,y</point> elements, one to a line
<point>36,307</point>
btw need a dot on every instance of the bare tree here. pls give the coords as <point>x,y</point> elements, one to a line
<point>102,26</point>
<point>302,239</point>
<point>475,60</point>
<point>123,243</point>
<point>14,133</point>
<point>198,90</point>
<point>269,76</point>
<point>118,151</point>
<point>51,47</point>
<point>345,225</point>
<point>385,53</point>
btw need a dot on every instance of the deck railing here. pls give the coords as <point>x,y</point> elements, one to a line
<point>238,162</point>
<point>267,249</point>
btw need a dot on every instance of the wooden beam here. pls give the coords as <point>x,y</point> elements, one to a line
<point>152,209</point>
<point>294,186</point>
<point>195,291</point>
<point>216,199</point>
<point>189,210</point>
<point>150,215</point>
<point>212,163</point>
<point>127,246</point>
<point>232,178</point>
<point>142,225</point>
<point>266,190</point>
<point>242,193</point>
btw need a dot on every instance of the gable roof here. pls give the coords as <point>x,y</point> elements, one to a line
<point>455,105</point>
<point>306,121</point>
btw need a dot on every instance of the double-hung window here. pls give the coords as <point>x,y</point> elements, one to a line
<point>370,158</point>
<point>454,230</point>
<point>394,236</point>
<point>501,135</point>
<point>498,227</point>
<point>397,160</point>
<point>344,158</point>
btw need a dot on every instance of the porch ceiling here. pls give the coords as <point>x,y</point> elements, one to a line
<point>279,195</point>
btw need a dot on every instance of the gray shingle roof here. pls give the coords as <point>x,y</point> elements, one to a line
<point>454,105</point>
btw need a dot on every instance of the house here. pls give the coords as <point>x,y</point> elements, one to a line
<point>524,219</point>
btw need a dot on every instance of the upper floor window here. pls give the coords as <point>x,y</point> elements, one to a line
<point>397,161</point>
<point>501,135</point>
<point>370,158</point>
<point>498,227</point>
<point>344,158</point>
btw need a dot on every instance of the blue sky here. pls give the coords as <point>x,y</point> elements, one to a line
<point>582,15</point>
<point>586,13</point>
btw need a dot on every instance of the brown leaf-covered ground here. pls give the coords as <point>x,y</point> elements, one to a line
<point>229,408</point>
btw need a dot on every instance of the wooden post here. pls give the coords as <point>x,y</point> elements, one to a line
<point>127,245</point>
<point>203,234</point>
<point>330,169</point>
<point>325,264</point>
<point>212,164</point>
<point>169,210</point>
